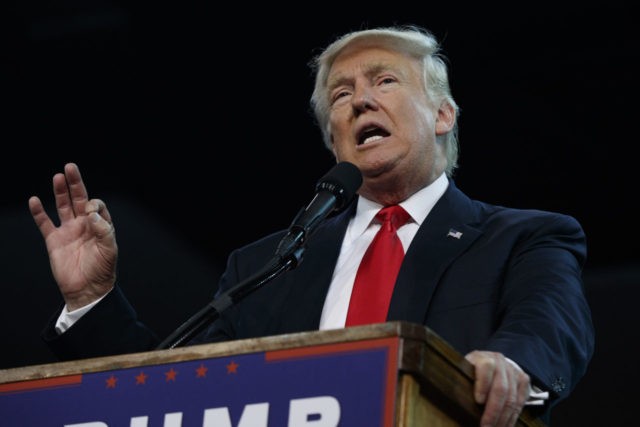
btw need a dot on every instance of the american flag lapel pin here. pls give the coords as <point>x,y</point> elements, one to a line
<point>454,233</point>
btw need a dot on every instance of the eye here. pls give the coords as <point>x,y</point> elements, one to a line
<point>339,94</point>
<point>385,80</point>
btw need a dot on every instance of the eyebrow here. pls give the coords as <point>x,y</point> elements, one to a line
<point>371,70</point>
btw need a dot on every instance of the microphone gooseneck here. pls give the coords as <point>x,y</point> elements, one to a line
<point>334,191</point>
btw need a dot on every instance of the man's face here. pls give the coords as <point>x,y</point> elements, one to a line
<point>381,119</point>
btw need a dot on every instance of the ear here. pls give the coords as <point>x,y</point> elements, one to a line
<point>446,118</point>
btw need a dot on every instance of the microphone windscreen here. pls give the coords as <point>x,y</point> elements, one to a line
<point>343,181</point>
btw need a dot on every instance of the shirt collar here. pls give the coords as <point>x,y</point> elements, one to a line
<point>418,205</point>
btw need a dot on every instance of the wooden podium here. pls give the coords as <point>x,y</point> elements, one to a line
<point>391,374</point>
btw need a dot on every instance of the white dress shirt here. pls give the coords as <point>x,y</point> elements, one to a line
<point>360,232</point>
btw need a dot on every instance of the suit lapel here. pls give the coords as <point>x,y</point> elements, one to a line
<point>309,282</point>
<point>444,235</point>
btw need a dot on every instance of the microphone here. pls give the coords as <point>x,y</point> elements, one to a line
<point>334,191</point>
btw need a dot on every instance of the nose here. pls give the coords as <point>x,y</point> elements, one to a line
<point>363,100</point>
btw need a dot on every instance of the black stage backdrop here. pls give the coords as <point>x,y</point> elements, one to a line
<point>193,124</point>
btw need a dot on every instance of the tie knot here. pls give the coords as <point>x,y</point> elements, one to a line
<point>393,216</point>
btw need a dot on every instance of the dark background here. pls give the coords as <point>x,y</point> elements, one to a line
<point>192,123</point>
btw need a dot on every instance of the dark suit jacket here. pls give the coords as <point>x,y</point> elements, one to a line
<point>480,276</point>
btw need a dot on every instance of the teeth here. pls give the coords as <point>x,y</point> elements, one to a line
<point>371,139</point>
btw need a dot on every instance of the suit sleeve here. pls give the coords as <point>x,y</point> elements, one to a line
<point>109,328</point>
<point>546,324</point>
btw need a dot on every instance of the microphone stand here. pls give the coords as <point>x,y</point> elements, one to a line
<point>212,311</point>
<point>337,187</point>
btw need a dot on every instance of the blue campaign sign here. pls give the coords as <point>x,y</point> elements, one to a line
<point>345,384</point>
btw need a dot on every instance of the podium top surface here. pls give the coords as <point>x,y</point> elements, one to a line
<point>401,330</point>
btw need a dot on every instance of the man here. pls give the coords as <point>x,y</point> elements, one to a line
<point>503,286</point>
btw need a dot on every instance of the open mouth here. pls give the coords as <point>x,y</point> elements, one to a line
<point>371,134</point>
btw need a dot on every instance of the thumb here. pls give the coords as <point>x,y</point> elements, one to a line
<point>103,230</point>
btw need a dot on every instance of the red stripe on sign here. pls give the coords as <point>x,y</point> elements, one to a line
<point>388,418</point>
<point>294,353</point>
<point>41,384</point>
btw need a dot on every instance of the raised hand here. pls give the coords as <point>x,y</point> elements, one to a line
<point>82,250</point>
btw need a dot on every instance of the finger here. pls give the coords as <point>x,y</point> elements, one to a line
<point>513,420</point>
<point>523,389</point>
<point>102,229</point>
<point>99,207</point>
<point>496,411</point>
<point>484,371</point>
<point>40,216</point>
<point>76,188</point>
<point>510,400</point>
<point>61,195</point>
<point>509,415</point>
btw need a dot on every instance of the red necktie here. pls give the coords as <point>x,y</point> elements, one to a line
<point>378,269</point>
